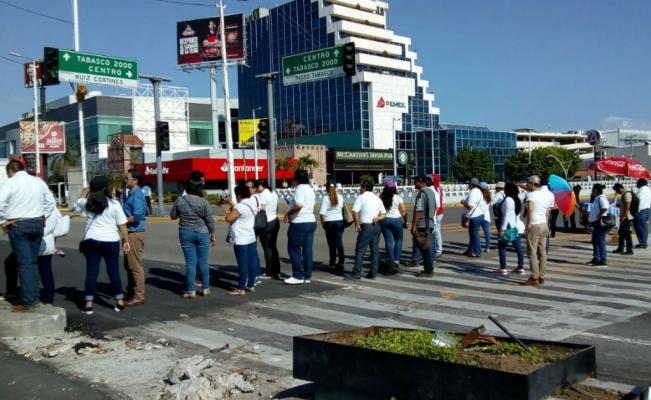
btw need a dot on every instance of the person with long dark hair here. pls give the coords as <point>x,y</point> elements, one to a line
<point>510,228</point>
<point>106,227</point>
<point>241,235</point>
<point>394,222</point>
<point>332,221</point>
<point>196,234</point>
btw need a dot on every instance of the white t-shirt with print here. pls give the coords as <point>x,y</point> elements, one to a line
<point>103,227</point>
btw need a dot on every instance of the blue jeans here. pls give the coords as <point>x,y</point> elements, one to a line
<point>486,227</point>
<point>248,264</point>
<point>599,251</point>
<point>642,227</point>
<point>368,237</point>
<point>25,236</point>
<point>474,247</point>
<point>334,231</point>
<point>47,278</point>
<point>393,234</point>
<point>195,247</point>
<point>517,244</point>
<point>94,251</point>
<point>300,239</point>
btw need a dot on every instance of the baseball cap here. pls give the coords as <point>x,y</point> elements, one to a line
<point>483,185</point>
<point>535,179</point>
<point>389,183</point>
<point>500,185</point>
<point>474,182</point>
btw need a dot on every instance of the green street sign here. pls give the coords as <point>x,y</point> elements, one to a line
<point>313,66</point>
<point>96,69</point>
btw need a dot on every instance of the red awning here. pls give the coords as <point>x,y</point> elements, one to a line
<point>621,166</point>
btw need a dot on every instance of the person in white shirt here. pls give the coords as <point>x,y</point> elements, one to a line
<point>106,226</point>
<point>509,228</point>
<point>641,222</point>
<point>438,237</point>
<point>332,221</point>
<point>394,222</point>
<point>368,211</point>
<point>242,236</point>
<point>300,236</point>
<point>538,211</point>
<point>485,208</point>
<point>146,190</point>
<point>598,210</point>
<point>269,236</point>
<point>474,217</point>
<point>25,202</point>
<point>496,202</point>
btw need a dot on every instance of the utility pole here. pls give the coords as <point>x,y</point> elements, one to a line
<point>213,107</point>
<point>80,105</point>
<point>37,131</point>
<point>227,107</point>
<point>155,82</point>
<point>271,155</point>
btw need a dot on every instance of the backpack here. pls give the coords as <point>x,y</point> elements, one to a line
<point>635,203</point>
<point>260,223</point>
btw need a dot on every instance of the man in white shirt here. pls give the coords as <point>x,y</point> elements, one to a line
<point>146,190</point>
<point>538,211</point>
<point>300,236</point>
<point>496,203</point>
<point>25,203</point>
<point>368,211</point>
<point>641,222</point>
<point>269,236</point>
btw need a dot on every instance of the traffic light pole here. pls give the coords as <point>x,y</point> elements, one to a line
<point>155,82</point>
<point>255,147</point>
<point>80,105</point>
<point>37,131</point>
<point>271,158</point>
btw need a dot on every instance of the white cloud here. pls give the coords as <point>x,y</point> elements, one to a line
<point>615,121</point>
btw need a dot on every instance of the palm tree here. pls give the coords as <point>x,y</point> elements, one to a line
<point>307,163</point>
<point>284,164</point>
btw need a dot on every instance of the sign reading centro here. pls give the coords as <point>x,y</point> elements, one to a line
<point>314,65</point>
<point>97,69</point>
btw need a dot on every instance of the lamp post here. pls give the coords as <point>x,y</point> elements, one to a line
<point>565,169</point>
<point>255,144</point>
<point>37,133</point>
<point>395,161</point>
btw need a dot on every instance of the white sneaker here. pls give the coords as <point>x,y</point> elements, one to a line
<point>294,281</point>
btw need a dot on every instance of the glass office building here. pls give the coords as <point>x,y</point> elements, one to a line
<point>386,95</point>
<point>451,138</point>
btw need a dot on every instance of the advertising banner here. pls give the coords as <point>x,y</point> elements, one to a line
<point>199,41</point>
<point>621,166</point>
<point>52,138</point>
<point>27,74</point>
<point>247,128</point>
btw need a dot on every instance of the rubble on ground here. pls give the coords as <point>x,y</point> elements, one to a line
<point>200,378</point>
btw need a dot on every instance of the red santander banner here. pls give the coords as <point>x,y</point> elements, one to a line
<point>215,169</point>
<point>52,137</point>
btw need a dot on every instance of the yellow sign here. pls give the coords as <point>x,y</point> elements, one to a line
<point>247,127</point>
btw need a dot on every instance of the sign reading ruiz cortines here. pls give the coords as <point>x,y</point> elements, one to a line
<point>199,41</point>
<point>52,138</point>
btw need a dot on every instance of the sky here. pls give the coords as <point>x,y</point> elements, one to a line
<point>551,65</point>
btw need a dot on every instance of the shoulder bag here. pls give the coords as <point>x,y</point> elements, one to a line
<point>260,223</point>
<point>346,214</point>
<point>83,242</point>
<point>465,220</point>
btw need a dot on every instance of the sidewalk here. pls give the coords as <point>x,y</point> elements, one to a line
<point>26,380</point>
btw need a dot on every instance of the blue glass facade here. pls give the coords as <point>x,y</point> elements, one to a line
<point>315,112</point>
<point>500,146</point>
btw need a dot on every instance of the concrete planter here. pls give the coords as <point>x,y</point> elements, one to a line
<point>341,371</point>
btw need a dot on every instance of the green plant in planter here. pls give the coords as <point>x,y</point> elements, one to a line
<point>505,348</point>
<point>412,343</point>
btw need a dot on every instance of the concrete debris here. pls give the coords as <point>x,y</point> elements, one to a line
<point>198,378</point>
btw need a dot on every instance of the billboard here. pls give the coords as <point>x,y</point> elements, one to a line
<point>27,74</point>
<point>247,128</point>
<point>198,41</point>
<point>52,138</point>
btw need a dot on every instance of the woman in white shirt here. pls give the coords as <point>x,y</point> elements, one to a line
<point>474,218</point>
<point>242,236</point>
<point>485,208</point>
<point>106,226</point>
<point>510,228</point>
<point>332,221</point>
<point>598,210</point>
<point>394,222</point>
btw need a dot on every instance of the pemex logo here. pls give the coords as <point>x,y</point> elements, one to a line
<point>381,103</point>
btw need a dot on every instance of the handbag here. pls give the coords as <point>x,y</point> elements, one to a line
<point>260,223</point>
<point>510,234</point>
<point>465,220</point>
<point>82,243</point>
<point>62,227</point>
<point>347,215</point>
<point>423,237</point>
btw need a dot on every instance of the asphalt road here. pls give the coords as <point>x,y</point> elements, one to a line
<point>610,308</point>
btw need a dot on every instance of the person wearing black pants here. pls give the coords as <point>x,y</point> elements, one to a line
<point>332,221</point>
<point>269,235</point>
<point>625,220</point>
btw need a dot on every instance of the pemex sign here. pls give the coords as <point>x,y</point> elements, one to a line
<point>87,68</point>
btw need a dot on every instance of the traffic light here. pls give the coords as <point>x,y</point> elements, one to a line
<point>81,93</point>
<point>163,135</point>
<point>50,66</point>
<point>350,68</point>
<point>263,134</point>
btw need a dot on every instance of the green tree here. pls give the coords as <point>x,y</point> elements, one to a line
<point>307,163</point>
<point>366,179</point>
<point>543,163</point>
<point>473,163</point>
<point>284,164</point>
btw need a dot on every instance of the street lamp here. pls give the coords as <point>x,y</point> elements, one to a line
<point>395,161</point>
<point>565,169</point>
<point>255,144</point>
<point>37,141</point>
